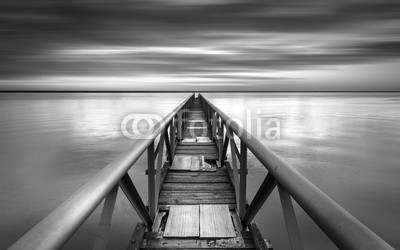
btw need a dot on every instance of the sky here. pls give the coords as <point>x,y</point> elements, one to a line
<point>202,45</point>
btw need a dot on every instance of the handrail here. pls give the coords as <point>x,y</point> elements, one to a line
<point>55,229</point>
<point>340,226</point>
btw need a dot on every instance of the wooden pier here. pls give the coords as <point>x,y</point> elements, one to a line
<point>196,200</point>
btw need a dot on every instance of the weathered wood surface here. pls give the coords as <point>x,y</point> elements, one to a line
<point>154,240</point>
<point>181,162</point>
<point>216,222</point>
<point>157,221</point>
<point>197,187</point>
<point>209,150</point>
<point>171,177</point>
<point>196,132</point>
<point>183,221</point>
<point>137,237</point>
<point>259,241</point>
<point>190,198</point>
<point>176,226</point>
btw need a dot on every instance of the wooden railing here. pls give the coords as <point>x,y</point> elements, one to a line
<point>339,225</point>
<point>57,228</point>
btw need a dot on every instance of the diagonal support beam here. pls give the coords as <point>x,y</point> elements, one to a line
<point>133,196</point>
<point>259,199</point>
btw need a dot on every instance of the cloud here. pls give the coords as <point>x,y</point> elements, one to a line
<point>240,40</point>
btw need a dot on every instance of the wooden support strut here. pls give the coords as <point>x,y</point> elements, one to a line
<point>179,125</point>
<point>234,167</point>
<point>172,135</point>
<point>158,170</point>
<point>243,180</point>
<point>151,181</point>
<point>168,147</point>
<point>133,196</point>
<point>290,219</point>
<point>101,240</point>
<point>259,199</point>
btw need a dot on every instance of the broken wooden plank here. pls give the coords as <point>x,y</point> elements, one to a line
<point>203,139</point>
<point>216,222</point>
<point>185,140</point>
<point>157,221</point>
<point>197,163</point>
<point>181,162</point>
<point>183,221</point>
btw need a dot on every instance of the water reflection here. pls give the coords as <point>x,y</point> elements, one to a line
<point>346,144</point>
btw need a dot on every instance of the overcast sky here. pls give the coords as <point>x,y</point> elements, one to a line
<point>200,45</point>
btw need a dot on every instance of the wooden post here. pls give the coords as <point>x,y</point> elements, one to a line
<point>290,219</point>
<point>168,146</point>
<point>172,136</point>
<point>179,125</point>
<point>158,173</point>
<point>243,179</point>
<point>101,240</point>
<point>151,186</point>
<point>234,167</point>
<point>214,125</point>
<point>221,144</point>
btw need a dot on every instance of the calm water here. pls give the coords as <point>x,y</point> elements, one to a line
<point>348,145</point>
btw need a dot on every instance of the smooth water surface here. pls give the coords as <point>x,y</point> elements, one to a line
<point>348,145</point>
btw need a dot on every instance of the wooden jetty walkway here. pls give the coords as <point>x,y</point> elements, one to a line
<point>197,196</point>
<point>197,202</point>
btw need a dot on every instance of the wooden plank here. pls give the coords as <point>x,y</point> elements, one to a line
<point>153,241</point>
<point>137,237</point>
<point>195,179</point>
<point>189,140</point>
<point>183,221</point>
<point>222,172</point>
<point>216,222</point>
<point>199,200</point>
<point>189,187</point>
<point>157,221</point>
<point>165,207</point>
<point>188,144</point>
<point>198,164</point>
<point>181,162</point>
<point>203,139</point>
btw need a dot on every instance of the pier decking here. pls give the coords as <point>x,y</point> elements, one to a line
<point>196,206</point>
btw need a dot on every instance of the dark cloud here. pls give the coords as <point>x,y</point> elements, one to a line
<point>43,37</point>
